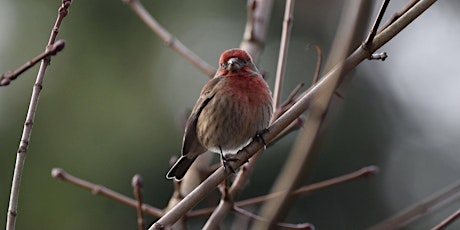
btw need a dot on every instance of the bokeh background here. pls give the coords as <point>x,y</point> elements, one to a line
<point>114,100</point>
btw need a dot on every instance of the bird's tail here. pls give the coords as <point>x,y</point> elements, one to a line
<point>179,169</point>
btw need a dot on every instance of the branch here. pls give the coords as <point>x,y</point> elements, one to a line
<point>430,204</point>
<point>399,14</point>
<point>27,131</point>
<point>447,221</point>
<point>368,42</point>
<point>138,184</point>
<point>319,62</point>
<point>169,39</point>
<point>304,226</point>
<point>285,34</point>
<point>103,191</point>
<point>307,189</point>
<point>255,32</point>
<point>296,110</point>
<point>53,49</point>
<point>362,173</point>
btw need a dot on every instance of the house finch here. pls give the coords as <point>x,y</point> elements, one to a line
<point>234,107</point>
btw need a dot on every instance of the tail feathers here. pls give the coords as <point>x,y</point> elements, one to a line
<point>179,169</point>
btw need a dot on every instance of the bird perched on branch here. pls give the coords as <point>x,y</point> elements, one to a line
<point>233,108</point>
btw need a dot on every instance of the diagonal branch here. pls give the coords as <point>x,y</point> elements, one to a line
<point>430,204</point>
<point>103,191</point>
<point>169,39</point>
<point>447,221</point>
<point>9,76</point>
<point>307,189</point>
<point>287,226</point>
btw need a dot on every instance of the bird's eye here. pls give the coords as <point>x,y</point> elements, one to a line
<point>224,65</point>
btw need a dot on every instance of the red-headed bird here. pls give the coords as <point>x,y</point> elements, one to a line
<point>233,107</point>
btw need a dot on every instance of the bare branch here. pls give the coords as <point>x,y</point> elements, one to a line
<point>255,32</point>
<point>9,76</point>
<point>169,39</point>
<point>362,173</point>
<point>285,34</point>
<point>429,205</point>
<point>28,124</point>
<point>319,53</point>
<point>399,14</point>
<point>304,226</point>
<point>305,190</point>
<point>103,191</point>
<point>368,42</point>
<point>447,221</point>
<point>138,184</point>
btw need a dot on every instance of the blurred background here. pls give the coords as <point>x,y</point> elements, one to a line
<point>114,100</point>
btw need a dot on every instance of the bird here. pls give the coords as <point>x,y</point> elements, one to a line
<point>233,108</point>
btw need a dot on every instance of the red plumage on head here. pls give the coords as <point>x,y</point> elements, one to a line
<point>234,53</point>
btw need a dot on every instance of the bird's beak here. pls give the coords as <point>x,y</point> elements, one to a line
<point>234,64</point>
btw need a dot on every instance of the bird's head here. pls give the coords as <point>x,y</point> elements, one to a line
<point>234,61</point>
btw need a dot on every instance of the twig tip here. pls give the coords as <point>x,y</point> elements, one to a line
<point>137,181</point>
<point>66,3</point>
<point>59,45</point>
<point>370,170</point>
<point>57,173</point>
<point>4,81</point>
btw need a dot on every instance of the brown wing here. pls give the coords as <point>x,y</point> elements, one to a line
<point>191,146</point>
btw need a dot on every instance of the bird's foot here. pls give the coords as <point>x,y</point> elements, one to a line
<point>259,137</point>
<point>225,161</point>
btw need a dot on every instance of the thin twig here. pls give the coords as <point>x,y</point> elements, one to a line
<point>138,184</point>
<point>428,205</point>
<point>362,173</point>
<point>285,34</point>
<point>305,190</point>
<point>319,53</point>
<point>447,221</point>
<point>367,44</point>
<point>399,14</point>
<point>169,39</point>
<point>103,191</point>
<point>287,118</point>
<point>288,103</point>
<point>255,31</point>
<point>9,76</point>
<point>304,226</point>
<point>295,125</point>
<point>27,131</point>
<point>319,63</point>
